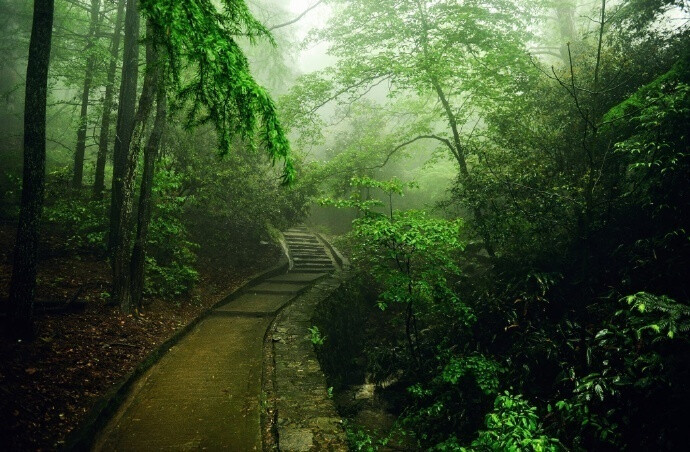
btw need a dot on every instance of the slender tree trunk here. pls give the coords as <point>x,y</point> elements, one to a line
<point>121,261</point>
<point>145,203</point>
<point>23,283</point>
<point>459,151</point>
<point>464,172</point>
<point>125,118</point>
<point>99,182</point>
<point>78,175</point>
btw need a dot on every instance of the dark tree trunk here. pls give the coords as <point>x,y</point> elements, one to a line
<point>23,281</point>
<point>78,175</point>
<point>99,182</point>
<point>145,203</point>
<point>121,260</point>
<point>125,118</point>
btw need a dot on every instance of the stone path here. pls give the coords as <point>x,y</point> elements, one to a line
<point>305,414</point>
<point>205,393</point>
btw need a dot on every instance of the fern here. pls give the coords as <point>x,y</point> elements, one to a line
<point>658,313</point>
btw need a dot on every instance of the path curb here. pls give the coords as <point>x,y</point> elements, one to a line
<point>342,260</point>
<point>321,427</point>
<point>81,438</point>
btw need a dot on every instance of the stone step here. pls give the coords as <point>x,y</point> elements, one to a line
<point>310,270</point>
<point>303,242</point>
<point>323,258</point>
<point>297,278</point>
<point>312,259</point>
<point>246,314</point>
<point>252,302</point>
<point>276,288</point>
<point>309,251</point>
<point>298,234</point>
<point>314,267</point>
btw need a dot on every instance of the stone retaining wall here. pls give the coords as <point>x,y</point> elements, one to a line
<point>305,415</point>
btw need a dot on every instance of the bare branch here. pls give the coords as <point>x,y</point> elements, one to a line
<point>296,19</point>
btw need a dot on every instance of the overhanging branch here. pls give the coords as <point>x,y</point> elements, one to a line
<point>408,142</point>
<point>296,19</point>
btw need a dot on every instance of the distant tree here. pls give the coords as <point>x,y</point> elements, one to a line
<point>23,281</point>
<point>99,181</point>
<point>94,23</point>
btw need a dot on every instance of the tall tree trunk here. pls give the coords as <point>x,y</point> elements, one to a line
<point>99,182</point>
<point>125,118</point>
<point>23,283</point>
<point>565,16</point>
<point>121,262</point>
<point>78,174</point>
<point>459,150</point>
<point>145,203</point>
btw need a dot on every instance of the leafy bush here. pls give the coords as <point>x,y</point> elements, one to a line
<point>82,220</point>
<point>171,259</point>
<point>513,425</point>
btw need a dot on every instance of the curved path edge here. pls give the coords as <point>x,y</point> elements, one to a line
<point>303,416</point>
<point>105,407</point>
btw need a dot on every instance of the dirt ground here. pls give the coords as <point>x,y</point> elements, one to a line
<point>47,385</point>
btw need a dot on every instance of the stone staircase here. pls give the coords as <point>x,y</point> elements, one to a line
<point>307,253</point>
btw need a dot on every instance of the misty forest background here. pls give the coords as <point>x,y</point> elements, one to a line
<point>508,177</point>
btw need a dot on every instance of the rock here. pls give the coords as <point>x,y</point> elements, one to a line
<point>326,423</point>
<point>295,439</point>
<point>366,391</point>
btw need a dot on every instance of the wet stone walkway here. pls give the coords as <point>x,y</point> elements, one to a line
<point>206,392</point>
<point>305,415</point>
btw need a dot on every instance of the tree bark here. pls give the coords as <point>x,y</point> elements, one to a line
<point>23,283</point>
<point>125,118</point>
<point>145,203</point>
<point>78,174</point>
<point>99,182</point>
<point>121,261</point>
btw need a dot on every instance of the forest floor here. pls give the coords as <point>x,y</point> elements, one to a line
<point>48,385</point>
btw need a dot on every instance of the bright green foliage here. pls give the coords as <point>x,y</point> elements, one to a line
<point>410,258</point>
<point>200,40</point>
<point>410,254</point>
<point>315,335</point>
<point>669,316</point>
<point>485,372</point>
<point>513,426</point>
<point>83,221</point>
<point>361,441</point>
<point>171,258</point>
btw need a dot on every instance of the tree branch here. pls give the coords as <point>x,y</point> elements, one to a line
<point>296,19</point>
<point>408,142</point>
